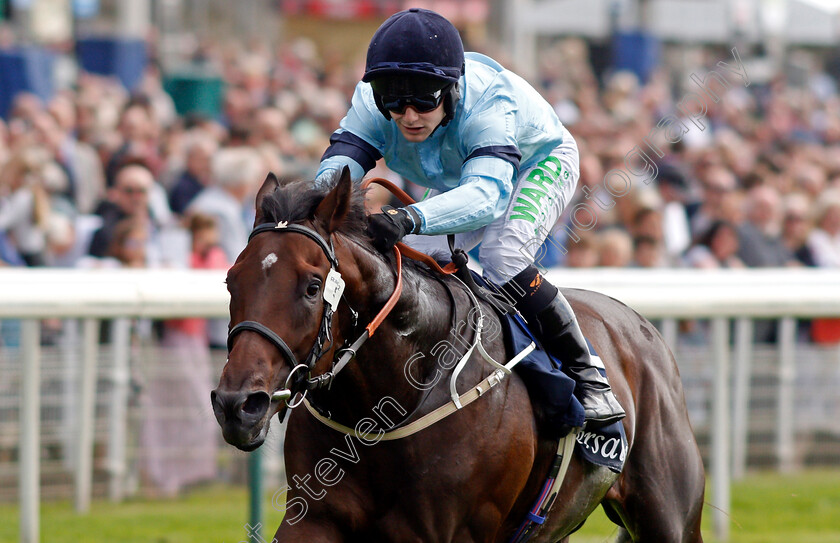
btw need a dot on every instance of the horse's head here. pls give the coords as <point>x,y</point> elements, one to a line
<point>279,313</point>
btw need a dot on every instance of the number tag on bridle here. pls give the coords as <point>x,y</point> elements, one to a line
<point>333,288</point>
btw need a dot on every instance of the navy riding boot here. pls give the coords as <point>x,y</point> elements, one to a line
<point>552,320</point>
<point>557,329</point>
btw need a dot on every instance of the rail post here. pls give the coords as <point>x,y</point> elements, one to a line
<point>30,430</point>
<point>87,411</point>
<point>720,460</point>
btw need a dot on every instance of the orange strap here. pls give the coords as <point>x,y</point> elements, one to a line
<point>413,254</point>
<point>401,195</point>
<point>392,301</point>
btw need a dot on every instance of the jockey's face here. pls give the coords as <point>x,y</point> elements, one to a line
<point>416,127</point>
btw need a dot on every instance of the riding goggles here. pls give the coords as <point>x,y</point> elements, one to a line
<point>423,103</point>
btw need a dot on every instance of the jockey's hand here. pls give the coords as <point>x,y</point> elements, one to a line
<point>390,226</point>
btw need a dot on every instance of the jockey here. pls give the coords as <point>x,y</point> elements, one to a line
<point>501,166</point>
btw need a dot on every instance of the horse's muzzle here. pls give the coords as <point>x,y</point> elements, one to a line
<point>243,416</point>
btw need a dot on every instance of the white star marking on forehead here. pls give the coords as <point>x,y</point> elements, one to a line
<point>269,260</point>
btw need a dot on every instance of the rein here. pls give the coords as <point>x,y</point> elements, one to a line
<point>410,252</point>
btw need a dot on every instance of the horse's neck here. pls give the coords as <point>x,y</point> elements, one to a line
<point>404,342</point>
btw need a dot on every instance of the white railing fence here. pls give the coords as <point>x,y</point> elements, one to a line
<point>723,298</point>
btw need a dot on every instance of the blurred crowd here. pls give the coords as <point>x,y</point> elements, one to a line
<point>755,183</point>
<point>100,177</point>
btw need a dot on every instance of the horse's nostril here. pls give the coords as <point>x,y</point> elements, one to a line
<point>256,404</point>
<point>218,408</point>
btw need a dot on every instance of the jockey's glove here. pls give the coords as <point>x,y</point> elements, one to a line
<point>387,228</point>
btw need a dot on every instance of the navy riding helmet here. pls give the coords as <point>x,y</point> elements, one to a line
<point>415,58</point>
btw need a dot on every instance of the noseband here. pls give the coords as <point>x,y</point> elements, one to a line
<point>299,378</point>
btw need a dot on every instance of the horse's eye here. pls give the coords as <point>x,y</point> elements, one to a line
<point>313,289</point>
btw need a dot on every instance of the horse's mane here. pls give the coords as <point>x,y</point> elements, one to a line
<point>297,200</point>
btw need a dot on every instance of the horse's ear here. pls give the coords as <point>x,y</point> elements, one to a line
<point>269,185</point>
<point>333,209</point>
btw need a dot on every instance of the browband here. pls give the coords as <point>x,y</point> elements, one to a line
<point>308,232</point>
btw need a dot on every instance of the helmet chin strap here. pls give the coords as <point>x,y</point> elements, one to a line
<point>453,96</point>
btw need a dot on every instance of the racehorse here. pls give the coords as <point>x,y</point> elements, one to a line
<point>470,477</point>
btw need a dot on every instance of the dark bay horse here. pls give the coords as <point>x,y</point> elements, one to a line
<point>470,477</point>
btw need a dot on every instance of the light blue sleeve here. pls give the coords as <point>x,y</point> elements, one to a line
<point>481,197</point>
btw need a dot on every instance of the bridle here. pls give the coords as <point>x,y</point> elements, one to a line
<point>299,380</point>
